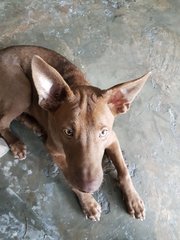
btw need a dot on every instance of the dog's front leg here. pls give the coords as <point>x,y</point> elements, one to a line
<point>135,205</point>
<point>90,206</point>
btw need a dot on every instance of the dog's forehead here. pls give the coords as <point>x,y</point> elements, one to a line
<point>86,98</point>
<point>88,106</point>
<point>91,108</point>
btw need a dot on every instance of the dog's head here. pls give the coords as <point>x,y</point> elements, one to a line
<point>81,120</point>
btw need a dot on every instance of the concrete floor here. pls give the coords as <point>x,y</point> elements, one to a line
<point>112,41</point>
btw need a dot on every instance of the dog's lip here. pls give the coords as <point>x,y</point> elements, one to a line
<point>75,186</point>
<point>94,189</point>
<point>91,188</point>
<point>85,191</point>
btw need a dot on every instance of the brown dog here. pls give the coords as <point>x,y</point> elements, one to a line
<point>76,117</point>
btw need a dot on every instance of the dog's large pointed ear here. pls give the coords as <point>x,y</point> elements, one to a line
<point>121,96</point>
<point>50,86</point>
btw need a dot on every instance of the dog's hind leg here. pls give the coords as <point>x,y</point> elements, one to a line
<point>16,146</point>
<point>32,124</point>
<point>15,98</point>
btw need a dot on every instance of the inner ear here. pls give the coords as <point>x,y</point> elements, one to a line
<point>50,85</point>
<point>55,98</point>
<point>117,102</point>
<point>121,96</point>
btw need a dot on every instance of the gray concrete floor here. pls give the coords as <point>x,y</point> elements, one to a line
<point>112,41</point>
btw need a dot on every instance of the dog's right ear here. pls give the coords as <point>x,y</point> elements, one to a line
<point>51,87</point>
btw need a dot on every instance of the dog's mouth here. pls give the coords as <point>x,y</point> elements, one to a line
<point>88,189</point>
<point>85,183</point>
<point>90,186</point>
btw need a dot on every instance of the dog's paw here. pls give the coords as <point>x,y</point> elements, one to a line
<point>92,210</point>
<point>18,150</point>
<point>37,130</point>
<point>135,205</point>
<point>90,207</point>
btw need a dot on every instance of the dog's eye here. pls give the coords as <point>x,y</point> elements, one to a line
<point>103,132</point>
<point>68,132</point>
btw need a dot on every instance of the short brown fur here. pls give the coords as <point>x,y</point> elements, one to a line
<point>75,117</point>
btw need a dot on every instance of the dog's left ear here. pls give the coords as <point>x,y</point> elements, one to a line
<point>122,95</point>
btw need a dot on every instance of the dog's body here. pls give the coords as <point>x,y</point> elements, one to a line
<point>77,119</point>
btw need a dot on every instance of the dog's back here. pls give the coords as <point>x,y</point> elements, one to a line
<point>19,57</point>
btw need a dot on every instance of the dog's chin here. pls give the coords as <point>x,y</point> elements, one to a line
<point>89,190</point>
<point>86,188</point>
